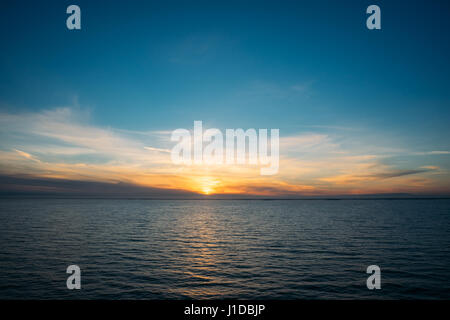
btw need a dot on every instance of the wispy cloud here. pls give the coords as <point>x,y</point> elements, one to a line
<point>397,173</point>
<point>64,144</point>
<point>428,153</point>
<point>26,155</point>
<point>157,149</point>
<point>274,90</point>
<point>196,48</point>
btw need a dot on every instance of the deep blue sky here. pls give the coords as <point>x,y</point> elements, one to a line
<point>143,65</point>
<point>359,111</point>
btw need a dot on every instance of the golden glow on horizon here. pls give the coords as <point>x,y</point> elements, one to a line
<point>310,164</point>
<point>239,180</point>
<point>207,191</point>
<point>207,185</point>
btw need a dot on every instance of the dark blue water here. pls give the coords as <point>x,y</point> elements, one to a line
<point>246,249</point>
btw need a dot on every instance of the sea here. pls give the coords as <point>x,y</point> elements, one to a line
<point>225,249</point>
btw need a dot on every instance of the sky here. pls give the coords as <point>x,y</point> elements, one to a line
<point>359,111</point>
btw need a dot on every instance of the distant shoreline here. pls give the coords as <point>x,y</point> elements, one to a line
<point>217,199</point>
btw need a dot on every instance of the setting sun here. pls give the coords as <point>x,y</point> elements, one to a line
<point>207,190</point>
<point>207,185</point>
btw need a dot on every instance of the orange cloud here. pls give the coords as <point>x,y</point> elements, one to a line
<point>64,145</point>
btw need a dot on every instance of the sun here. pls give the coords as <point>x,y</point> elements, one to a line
<point>207,185</point>
<point>207,191</point>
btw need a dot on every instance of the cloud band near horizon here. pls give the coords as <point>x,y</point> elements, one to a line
<point>63,144</point>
